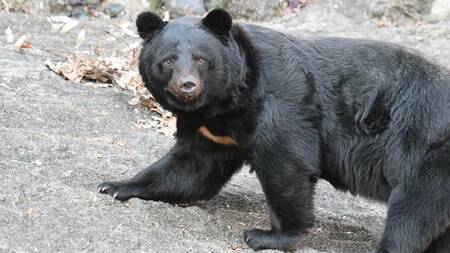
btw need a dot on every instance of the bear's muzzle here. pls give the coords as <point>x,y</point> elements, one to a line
<point>186,88</point>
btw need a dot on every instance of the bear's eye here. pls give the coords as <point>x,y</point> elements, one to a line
<point>168,61</point>
<point>200,60</point>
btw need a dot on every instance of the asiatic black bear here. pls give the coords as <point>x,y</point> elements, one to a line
<point>370,117</point>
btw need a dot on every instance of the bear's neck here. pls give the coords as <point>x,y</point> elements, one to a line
<point>230,126</point>
<point>247,53</point>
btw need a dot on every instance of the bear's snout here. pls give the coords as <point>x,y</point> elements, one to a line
<point>186,88</point>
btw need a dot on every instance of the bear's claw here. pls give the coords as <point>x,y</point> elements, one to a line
<point>121,191</point>
<point>103,190</point>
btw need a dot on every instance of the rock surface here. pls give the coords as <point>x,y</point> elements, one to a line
<point>252,10</point>
<point>399,10</point>
<point>179,8</point>
<point>59,139</point>
<point>440,10</point>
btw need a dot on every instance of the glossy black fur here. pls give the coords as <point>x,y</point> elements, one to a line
<point>370,117</point>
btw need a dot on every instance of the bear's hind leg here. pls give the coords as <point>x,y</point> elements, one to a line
<point>419,208</point>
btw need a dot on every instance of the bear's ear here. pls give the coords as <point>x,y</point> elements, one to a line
<point>219,21</point>
<point>148,23</point>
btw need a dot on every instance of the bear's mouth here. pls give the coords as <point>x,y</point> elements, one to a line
<point>184,103</point>
<point>183,96</point>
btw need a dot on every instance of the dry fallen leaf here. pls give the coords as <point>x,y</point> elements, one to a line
<point>134,101</point>
<point>62,23</point>
<point>26,44</point>
<point>149,103</point>
<point>145,124</point>
<point>166,16</point>
<point>168,125</point>
<point>235,247</point>
<point>5,86</point>
<point>51,66</point>
<point>32,212</point>
<point>38,163</point>
<point>68,26</point>
<point>383,22</point>
<point>20,41</point>
<point>124,27</point>
<point>80,38</point>
<point>9,35</point>
<point>135,45</point>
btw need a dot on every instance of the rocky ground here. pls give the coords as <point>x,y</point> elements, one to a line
<point>59,139</point>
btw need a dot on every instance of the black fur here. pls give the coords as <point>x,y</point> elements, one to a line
<point>219,21</point>
<point>370,117</point>
<point>147,23</point>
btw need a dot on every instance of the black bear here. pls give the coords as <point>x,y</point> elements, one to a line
<point>370,117</point>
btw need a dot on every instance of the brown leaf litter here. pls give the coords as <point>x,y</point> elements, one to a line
<point>113,71</point>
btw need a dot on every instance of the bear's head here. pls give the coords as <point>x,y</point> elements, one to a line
<point>190,63</point>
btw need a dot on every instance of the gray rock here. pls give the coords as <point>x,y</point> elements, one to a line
<point>252,10</point>
<point>440,10</point>
<point>131,7</point>
<point>179,8</point>
<point>399,10</point>
<point>114,10</point>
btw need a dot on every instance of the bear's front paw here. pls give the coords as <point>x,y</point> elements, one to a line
<point>121,190</point>
<point>259,239</point>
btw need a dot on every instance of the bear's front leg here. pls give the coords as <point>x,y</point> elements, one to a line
<point>288,185</point>
<point>194,169</point>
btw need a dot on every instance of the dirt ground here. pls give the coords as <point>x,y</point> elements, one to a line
<point>59,139</point>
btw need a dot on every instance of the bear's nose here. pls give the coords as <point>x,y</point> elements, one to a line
<point>188,87</point>
<point>185,88</point>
